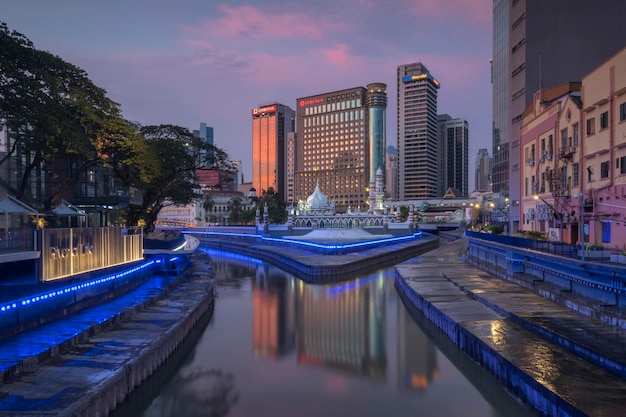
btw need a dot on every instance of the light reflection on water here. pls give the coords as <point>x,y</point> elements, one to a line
<point>277,346</point>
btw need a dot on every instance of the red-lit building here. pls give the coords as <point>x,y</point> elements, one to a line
<point>270,126</point>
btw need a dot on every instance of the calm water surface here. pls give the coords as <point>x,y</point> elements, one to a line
<point>277,346</point>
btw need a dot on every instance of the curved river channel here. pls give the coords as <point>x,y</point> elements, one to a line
<point>276,346</point>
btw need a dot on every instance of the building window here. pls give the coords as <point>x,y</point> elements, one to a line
<point>622,112</point>
<point>591,126</point>
<point>575,135</point>
<point>575,174</point>
<point>604,169</point>
<point>604,120</point>
<point>622,165</point>
<point>518,69</point>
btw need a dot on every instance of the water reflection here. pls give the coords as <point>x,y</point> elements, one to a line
<point>274,312</point>
<point>197,393</point>
<point>342,326</point>
<point>278,346</point>
<point>417,355</point>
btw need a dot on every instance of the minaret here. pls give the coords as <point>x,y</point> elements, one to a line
<point>376,101</point>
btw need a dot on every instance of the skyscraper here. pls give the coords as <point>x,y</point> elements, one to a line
<point>539,44</point>
<point>270,126</point>
<point>417,132</point>
<point>483,167</point>
<point>391,172</point>
<point>454,158</point>
<point>340,144</point>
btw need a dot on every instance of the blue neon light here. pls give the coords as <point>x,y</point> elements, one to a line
<point>351,285</point>
<point>40,297</point>
<point>369,243</point>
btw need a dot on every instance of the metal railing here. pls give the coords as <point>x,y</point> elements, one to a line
<point>591,254</point>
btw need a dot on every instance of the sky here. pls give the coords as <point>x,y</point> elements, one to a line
<point>185,62</point>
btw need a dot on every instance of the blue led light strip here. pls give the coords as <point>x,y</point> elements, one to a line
<point>317,245</point>
<point>50,294</point>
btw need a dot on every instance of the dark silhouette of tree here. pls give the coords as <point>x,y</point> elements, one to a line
<point>170,158</point>
<point>235,210</point>
<point>199,393</point>
<point>275,205</point>
<point>62,122</point>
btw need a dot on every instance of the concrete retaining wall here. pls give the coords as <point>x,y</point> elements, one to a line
<point>516,381</point>
<point>109,393</point>
<point>594,289</point>
<point>331,270</point>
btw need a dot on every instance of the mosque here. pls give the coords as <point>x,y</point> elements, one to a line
<point>316,218</point>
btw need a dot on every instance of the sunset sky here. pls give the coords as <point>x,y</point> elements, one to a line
<point>185,62</point>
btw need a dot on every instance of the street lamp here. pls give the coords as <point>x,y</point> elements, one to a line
<point>581,197</point>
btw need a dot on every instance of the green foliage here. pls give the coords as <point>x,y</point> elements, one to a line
<point>59,115</point>
<point>404,213</point>
<point>532,235</point>
<point>494,228</point>
<point>275,205</point>
<point>168,159</point>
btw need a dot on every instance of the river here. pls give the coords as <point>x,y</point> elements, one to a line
<point>277,346</point>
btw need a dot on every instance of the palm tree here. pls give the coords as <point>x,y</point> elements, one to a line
<point>234,209</point>
<point>207,205</point>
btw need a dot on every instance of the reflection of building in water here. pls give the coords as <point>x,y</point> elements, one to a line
<point>343,326</point>
<point>273,309</point>
<point>417,355</point>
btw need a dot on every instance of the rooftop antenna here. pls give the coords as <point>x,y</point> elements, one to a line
<point>540,81</point>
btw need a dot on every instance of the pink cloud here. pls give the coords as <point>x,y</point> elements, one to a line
<point>337,55</point>
<point>248,22</point>
<point>477,12</point>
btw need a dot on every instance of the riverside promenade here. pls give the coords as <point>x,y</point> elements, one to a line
<point>85,364</point>
<point>558,361</point>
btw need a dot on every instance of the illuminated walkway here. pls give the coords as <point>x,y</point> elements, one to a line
<point>559,361</point>
<point>524,339</point>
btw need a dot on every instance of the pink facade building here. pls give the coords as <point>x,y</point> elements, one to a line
<point>573,159</point>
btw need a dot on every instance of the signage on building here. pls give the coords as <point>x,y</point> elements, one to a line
<point>410,78</point>
<point>304,103</point>
<point>265,109</point>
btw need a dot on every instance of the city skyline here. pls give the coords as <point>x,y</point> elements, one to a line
<point>211,62</point>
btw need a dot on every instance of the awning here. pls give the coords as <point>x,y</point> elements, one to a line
<point>11,205</point>
<point>67,209</point>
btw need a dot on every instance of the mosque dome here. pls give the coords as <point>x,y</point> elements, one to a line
<point>317,200</point>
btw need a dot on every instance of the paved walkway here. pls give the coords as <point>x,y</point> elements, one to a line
<point>143,328</point>
<point>543,339</point>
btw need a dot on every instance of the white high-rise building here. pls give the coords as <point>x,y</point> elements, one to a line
<point>417,133</point>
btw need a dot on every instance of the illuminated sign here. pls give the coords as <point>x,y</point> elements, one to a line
<point>410,78</point>
<point>312,101</point>
<point>265,109</point>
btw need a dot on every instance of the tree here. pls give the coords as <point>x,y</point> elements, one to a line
<point>64,125</point>
<point>172,155</point>
<point>235,210</point>
<point>207,205</point>
<point>275,205</point>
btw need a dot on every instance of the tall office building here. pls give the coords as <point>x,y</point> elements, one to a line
<point>290,196</point>
<point>417,132</point>
<point>391,172</point>
<point>205,132</point>
<point>340,144</point>
<point>271,125</point>
<point>537,44</point>
<point>453,150</point>
<point>483,168</point>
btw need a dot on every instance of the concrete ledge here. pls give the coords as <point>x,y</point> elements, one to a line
<point>305,263</point>
<point>515,380</point>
